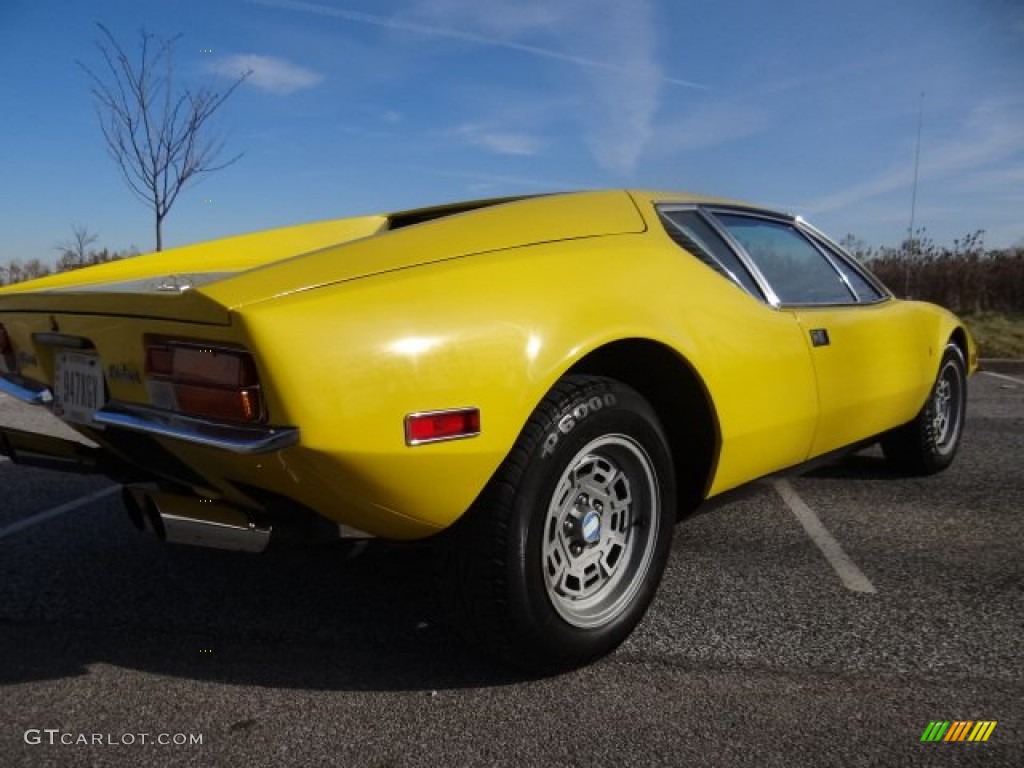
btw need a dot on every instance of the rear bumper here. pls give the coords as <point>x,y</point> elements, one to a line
<point>24,390</point>
<point>227,437</point>
<point>241,439</point>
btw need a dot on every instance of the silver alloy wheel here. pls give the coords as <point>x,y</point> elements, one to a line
<point>947,407</point>
<point>600,531</point>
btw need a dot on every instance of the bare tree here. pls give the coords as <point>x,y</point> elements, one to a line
<point>74,252</point>
<point>16,271</point>
<point>156,132</point>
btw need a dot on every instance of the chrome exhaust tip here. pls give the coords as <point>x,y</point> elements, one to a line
<point>179,519</point>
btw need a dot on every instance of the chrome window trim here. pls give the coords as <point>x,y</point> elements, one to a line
<point>831,262</point>
<point>767,296</point>
<point>838,252</point>
<point>708,213</point>
<point>812,235</point>
<point>830,258</point>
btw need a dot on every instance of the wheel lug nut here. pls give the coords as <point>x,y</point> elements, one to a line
<point>598,506</point>
<point>582,499</point>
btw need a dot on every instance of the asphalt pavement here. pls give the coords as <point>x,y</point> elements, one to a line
<point>760,650</point>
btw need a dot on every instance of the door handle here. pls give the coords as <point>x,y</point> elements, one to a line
<point>819,337</point>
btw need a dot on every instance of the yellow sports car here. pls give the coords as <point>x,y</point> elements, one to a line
<point>550,382</point>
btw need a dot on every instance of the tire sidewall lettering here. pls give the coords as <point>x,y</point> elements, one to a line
<point>576,414</point>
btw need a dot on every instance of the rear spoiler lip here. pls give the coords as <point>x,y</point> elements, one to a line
<point>192,306</point>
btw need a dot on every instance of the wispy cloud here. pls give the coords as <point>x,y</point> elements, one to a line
<point>464,35</point>
<point>989,135</point>
<point>614,46</point>
<point>267,72</point>
<point>709,125</point>
<point>501,141</point>
<point>610,44</point>
<point>619,126</point>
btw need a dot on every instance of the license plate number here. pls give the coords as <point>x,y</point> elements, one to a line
<point>78,389</point>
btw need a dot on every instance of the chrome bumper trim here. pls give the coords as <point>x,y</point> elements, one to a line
<point>25,390</point>
<point>153,421</point>
<point>236,439</point>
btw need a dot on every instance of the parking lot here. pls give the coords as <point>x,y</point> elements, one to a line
<point>818,620</point>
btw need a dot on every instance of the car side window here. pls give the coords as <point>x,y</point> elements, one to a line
<point>689,230</point>
<point>796,270</point>
<point>865,290</point>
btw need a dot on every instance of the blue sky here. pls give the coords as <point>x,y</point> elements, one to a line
<point>357,107</point>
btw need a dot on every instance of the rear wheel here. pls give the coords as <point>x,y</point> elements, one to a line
<point>929,443</point>
<point>559,558</point>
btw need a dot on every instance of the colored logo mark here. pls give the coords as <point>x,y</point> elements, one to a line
<point>958,730</point>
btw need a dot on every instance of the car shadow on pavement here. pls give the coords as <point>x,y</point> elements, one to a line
<point>87,590</point>
<point>307,619</point>
<point>858,466</point>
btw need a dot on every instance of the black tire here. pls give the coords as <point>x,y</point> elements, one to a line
<point>558,559</point>
<point>929,443</point>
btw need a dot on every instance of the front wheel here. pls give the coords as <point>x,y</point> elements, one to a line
<point>558,559</point>
<point>929,443</point>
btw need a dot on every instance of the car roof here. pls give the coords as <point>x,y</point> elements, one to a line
<point>410,217</point>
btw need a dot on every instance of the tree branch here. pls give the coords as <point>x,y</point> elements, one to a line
<point>155,133</point>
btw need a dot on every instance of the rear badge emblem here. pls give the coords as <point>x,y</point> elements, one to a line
<point>173,284</point>
<point>124,372</point>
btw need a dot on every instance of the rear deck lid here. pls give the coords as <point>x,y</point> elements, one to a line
<point>202,283</point>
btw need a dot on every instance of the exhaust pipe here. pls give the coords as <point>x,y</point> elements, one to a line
<point>190,520</point>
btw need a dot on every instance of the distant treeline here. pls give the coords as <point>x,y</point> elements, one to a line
<point>18,271</point>
<point>965,278</point>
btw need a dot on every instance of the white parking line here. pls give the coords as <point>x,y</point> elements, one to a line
<point>1003,376</point>
<point>42,517</point>
<point>851,576</point>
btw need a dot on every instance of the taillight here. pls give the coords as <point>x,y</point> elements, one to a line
<point>209,381</point>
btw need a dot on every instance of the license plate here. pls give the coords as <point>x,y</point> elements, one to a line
<point>78,390</point>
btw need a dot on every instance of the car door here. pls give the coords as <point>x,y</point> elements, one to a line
<point>756,363</point>
<point>870,363</point>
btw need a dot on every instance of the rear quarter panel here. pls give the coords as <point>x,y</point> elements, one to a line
<point>348,362</point>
